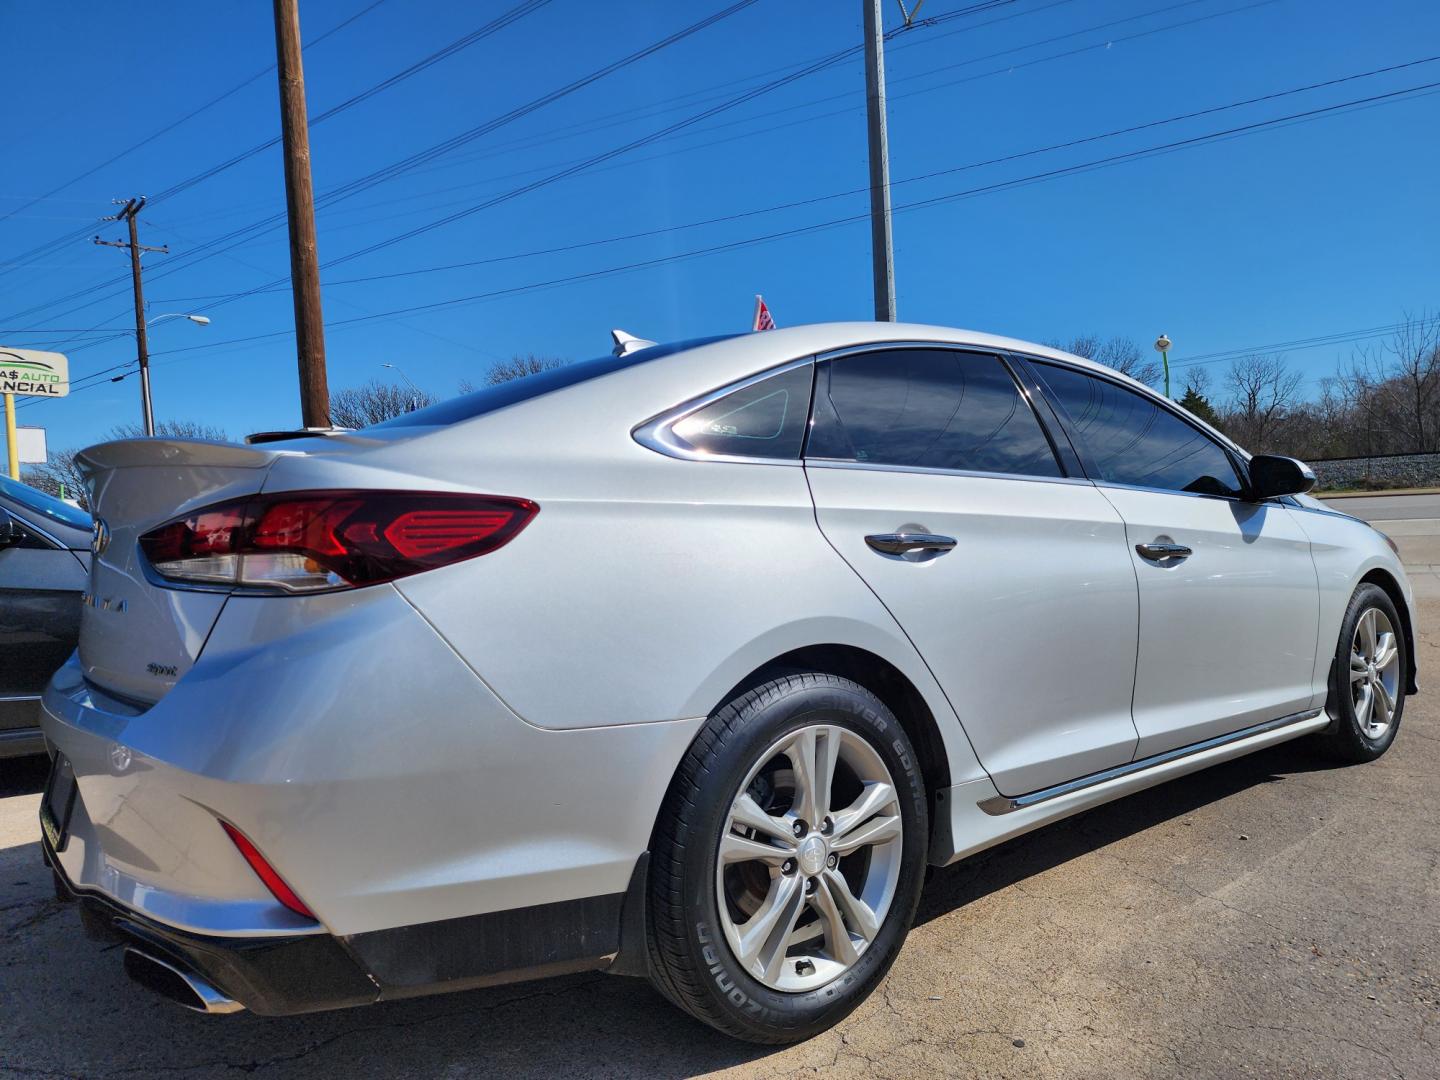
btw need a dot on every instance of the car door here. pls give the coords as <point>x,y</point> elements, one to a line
<point>1022,601</point>
<point>40,586</point>
<point>1229,599</point>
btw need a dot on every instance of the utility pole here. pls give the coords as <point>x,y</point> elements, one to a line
<point>128,214</point>
<point>881,250</point>
<point>300,208</point>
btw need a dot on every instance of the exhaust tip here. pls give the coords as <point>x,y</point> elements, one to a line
<point>176,985</point>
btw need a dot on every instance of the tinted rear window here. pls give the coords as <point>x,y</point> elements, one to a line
<point>491,398</point>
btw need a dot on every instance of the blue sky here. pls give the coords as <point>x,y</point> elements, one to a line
<point>1289,232</point>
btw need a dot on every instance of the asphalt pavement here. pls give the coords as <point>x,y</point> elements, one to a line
<point>1276,916</point>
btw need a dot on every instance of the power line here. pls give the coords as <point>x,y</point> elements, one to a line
<point>814,200</point>
<point>166,130</point>
<point>492,27</point>
<point>821,226</point>
<point>230,239</point>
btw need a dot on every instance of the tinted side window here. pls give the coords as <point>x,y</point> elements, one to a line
<point>927,407</point>
<point>1129,439</point>
<point>764,420</point>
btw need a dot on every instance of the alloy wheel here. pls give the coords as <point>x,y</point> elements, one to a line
<point>809,861</point>
<point>1374,673</point>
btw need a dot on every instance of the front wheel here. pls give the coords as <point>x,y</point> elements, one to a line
<point>788,859</point>
<point>1367,680</point>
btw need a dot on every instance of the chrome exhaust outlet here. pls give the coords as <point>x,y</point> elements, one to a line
<point>179,986</point>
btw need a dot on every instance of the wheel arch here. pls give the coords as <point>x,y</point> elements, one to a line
<point>881,678</point>
<point>1387,583</point>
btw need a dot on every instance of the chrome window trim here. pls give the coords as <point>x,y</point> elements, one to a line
<point>1007,804</point>
<point>1002,356</point>
<point>655,434</point>
<point>927,470</point>
<point>36,529</point>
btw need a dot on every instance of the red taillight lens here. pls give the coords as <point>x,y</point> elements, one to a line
<point>317,540</point>
<point>266,873</point>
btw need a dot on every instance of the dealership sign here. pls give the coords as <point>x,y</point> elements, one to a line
<point>32,373</point>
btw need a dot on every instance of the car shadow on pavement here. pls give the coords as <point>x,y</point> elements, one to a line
<point>580,1025</point>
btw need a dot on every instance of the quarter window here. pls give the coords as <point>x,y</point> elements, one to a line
<point>765,419</point>
<point>931,408</point>
<point>1129,439</point>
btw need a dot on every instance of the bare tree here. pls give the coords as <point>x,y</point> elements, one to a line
<point>517,367</point>
<point>1414,381</point>
<point>1122,354</point>
<point>361,406</point>
<point>1263,390</point>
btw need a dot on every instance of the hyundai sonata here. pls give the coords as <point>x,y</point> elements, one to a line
<point>682,662</point>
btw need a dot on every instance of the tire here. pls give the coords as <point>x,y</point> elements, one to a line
<point>1355,734</point>
<point>697,909</point>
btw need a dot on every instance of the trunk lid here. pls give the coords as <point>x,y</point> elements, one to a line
<point>138,637</point>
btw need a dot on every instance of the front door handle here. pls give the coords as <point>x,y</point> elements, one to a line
<point>1160,551</point>
<point>904,543</point>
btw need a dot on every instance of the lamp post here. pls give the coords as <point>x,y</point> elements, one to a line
<point>419,394</point>
<point>1162,346</point>
<point>147,413</point>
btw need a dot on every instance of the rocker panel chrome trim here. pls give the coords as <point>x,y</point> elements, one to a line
<point>1005,804</point>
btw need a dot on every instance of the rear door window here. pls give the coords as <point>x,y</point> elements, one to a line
<point>927,408</point>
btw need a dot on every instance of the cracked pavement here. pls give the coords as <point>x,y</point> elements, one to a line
<point>1272,917</point>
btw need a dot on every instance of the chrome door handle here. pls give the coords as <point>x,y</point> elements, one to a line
<point>903,543</point>
<point>1159,552</point>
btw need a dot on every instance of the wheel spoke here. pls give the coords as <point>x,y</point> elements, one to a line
<point>1363,705</point>
<point>1367,634</point>
<point>1384,703</point>
<point>813,755</point>
<point>875,831</point>
<point>766,936</point>
<point>1359,669</point>
<point>857,913</point>
<point>837,935</point>
<point>1386,652</point>
<point>747,812</point>
<point>736,848</point>
<point>872,800</point>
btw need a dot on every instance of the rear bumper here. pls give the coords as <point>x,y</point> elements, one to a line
<point>289,974</point>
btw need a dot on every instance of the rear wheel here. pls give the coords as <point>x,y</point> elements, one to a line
<point>1367,680</point>
<point>788,859</point>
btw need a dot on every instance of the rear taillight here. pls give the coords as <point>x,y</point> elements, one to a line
<point>317,540</point>
<point>265,872</point>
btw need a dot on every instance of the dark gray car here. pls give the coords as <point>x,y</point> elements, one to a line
<point>44,567</point>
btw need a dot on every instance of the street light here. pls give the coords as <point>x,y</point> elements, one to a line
<point>1162,346</point>
<point>146,411</point>
<point>419,394</point>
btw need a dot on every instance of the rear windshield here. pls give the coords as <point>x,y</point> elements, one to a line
<point>491,398</point>
<point>27,498</point>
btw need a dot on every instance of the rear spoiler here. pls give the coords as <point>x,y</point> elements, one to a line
<point>297,433</point>
<point>132,453</point>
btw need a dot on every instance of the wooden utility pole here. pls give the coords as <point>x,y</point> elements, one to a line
<point>142,346</point>
<point>881,251</point>
<point>300,206</point>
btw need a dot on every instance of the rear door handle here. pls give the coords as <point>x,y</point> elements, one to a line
<point>1159,551</point>
<point>904,543</point>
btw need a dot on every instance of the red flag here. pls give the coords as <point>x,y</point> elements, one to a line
<point>763,321</point>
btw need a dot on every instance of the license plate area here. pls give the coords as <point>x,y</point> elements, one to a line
<point>58,802</point>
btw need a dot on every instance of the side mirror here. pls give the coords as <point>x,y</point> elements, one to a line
<point>1272,476</point>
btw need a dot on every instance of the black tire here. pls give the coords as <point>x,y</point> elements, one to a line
<point>1345,740</point>
<point>691,960</point>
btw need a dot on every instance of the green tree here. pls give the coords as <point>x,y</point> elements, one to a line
<point>1199,405</point>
